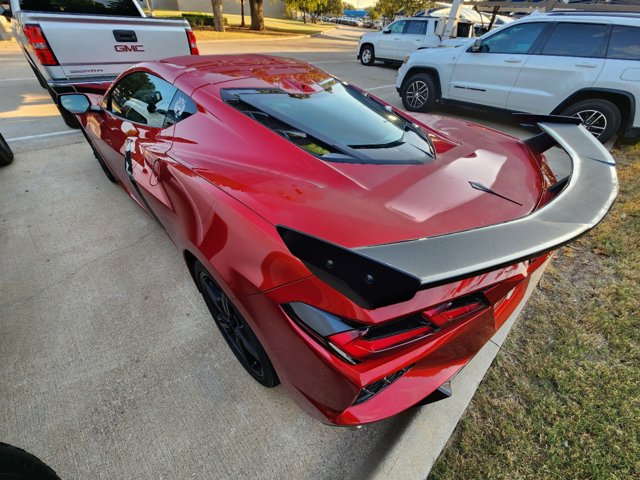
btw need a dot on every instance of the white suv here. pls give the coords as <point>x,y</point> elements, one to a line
<point>404,36</point>
<point>584,65</point>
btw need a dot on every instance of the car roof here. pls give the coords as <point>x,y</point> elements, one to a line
<point>621,18</point>
<point>253,70</point>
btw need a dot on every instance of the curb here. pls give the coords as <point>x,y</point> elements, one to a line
<point>275,39</point>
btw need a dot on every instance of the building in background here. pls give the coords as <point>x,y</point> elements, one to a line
<point>275,9</point>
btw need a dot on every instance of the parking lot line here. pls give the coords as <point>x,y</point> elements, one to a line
<point>20,79</point>
<point>42,135</point>
<point>381,87</point>
<point>332,61</point>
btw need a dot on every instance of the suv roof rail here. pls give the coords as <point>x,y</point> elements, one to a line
<point>591,13</point>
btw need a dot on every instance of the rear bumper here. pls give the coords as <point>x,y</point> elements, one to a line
<point>327,387</point>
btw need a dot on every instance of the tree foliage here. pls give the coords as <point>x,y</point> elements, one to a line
<point>315,8</point>
<point>389,8</point>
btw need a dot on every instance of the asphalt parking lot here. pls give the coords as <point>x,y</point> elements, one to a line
<point>112,366</point>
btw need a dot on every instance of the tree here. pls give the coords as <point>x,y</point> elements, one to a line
<point>218,20</point>
<point>242,14</point>
<point>257,14</point>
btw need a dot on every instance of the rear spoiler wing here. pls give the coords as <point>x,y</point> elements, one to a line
<point>381,275</point>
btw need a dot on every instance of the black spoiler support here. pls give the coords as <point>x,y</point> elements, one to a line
<point>381,275</point>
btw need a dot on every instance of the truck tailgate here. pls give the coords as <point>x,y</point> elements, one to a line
<point>89,45</point>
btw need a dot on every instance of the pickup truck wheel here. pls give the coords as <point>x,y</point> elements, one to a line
<point>98,157</point>
<point>6,155</point>
<point>601,117</point>
<point>367,55</point>
<point>69,119</point>
<point>419,93</point>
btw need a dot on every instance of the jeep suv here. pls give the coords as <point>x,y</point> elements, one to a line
<point>584,65</point>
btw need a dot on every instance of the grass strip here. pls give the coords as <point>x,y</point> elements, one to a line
<point>562,399</point>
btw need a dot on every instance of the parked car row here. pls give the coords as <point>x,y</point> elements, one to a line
<point>352,21</point>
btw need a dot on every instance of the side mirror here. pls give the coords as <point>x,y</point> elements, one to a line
<point>386,30</point>
<point>477,46</point>
<point>5,13</point>
<point>75,103</point>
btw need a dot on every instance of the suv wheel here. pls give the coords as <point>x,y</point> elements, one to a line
<point>419,93</point>
<point>601,117</point>
<point>367,55</point>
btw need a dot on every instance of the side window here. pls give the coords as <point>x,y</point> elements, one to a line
<point>397,27</point>
<point>578,40</point>
<point>142,98</point>
<point>181,107</point>
<point>514,40</point>
<point>416,27</point>
<point>624,43</point>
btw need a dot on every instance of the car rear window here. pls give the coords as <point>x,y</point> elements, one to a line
<point>624,43</point>
<point>121,8</point>
<point>578,40</point>
<point>338,124</point>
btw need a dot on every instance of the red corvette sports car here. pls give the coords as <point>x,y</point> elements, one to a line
<point>357,255</point>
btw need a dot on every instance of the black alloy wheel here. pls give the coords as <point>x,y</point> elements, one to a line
<point>600,117</point>
<point>236,331</point>
<point>367,55</point>
<point>419,93</point>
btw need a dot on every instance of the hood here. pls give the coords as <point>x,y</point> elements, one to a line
<point>366,204</point>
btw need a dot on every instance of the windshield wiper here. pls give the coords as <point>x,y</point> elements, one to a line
<point>395,143</point>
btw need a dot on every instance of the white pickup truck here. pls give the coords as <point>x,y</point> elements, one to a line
<point>82,46</point>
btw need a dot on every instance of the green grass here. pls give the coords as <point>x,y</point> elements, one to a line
<point>562,400</point>
<point>274,26</point>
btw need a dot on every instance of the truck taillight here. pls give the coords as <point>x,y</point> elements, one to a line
<point>193,46</point>
<point>39,44</point>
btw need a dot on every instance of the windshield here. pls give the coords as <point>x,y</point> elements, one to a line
<point>335,113</point>
<point>122,8</point>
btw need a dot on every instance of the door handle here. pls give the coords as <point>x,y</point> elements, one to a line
<point>586,65</point>
<point>125,36</point>
<point>512,60</point>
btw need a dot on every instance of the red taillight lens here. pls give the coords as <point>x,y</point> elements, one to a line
<point>193,46</point>
<point>356,344</point>
<point>445,313</point>
<point>39,44</point>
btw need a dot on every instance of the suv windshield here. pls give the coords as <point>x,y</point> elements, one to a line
<point>339,120</point>
<point>122,8</point>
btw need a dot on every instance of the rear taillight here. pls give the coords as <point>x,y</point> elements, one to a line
<point>357,343</point>
<point>40,45</point>
<point>193,46</point>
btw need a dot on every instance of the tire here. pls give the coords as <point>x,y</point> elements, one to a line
<point>6,155</point>
<point>419,93</point>
<point>16,464</point>
<point>601,117</point>
<point>235,330</point>
<point>99,158</point>
<point>367,55</point>
<point>41,81</point>
<point>69,119</point>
